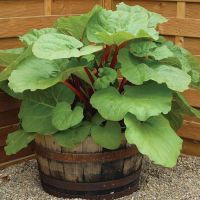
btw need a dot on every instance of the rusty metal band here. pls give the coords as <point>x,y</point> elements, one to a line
<point>85,187</point>
<point>113,195</point>
<point>86,157</point>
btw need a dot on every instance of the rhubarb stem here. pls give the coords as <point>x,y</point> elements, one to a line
<point>105,55</point>
<point>89,74</point>
<point>121,86</point>
<point>114,58</point>
<point>81,96</point>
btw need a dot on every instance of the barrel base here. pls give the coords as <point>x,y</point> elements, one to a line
<point>48,184</point>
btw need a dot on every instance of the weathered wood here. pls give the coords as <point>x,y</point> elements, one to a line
<point>181,15</point>
<point>73,172</point>
<point>91,171</point>
<point>192,45</point>
<point>63,7</point>
<point>47,7</point>
<point>19,8</point>
<point>193,97</point>
<point>181,27</point>
<point>191,147</point>
<point>192,10</point>
<point>190,129</point>
<point>56,168</point>
<point>9,43</point>
<point>43,162</point>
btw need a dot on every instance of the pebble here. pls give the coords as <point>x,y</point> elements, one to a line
<point>21,182</point>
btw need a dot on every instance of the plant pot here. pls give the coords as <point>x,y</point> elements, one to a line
<point>87,171</point>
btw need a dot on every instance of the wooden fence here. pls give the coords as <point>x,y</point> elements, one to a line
<point>18,16</point>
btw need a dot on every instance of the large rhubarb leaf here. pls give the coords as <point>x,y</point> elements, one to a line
<point>64,117</point>
<point>143,101</point>
<point>30,37</point>
<point>17,141</point>
<point>9,55</point>
<point>154,138</point>
<point>73,136</point>
<point>37,108</point>
<point>15,62</point>
<point>61,46</point>
<point>35,73</point>
<point>76,25</point>
<point>116,27</point>
<point>108,136</point>
<point>138,72</point>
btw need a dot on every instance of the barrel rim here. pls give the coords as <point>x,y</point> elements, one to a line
<point>68,157</point>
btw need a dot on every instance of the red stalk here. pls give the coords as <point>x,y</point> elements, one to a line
<point>81,96</point>
<point>89,75</point>
<point>105,55</point>
<point>121,86</point>
<point>114,58</point>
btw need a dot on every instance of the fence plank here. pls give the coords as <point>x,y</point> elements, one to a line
<point>181,27</point>
<point>13,8</point>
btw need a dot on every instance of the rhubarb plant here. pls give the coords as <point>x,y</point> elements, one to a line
<point>102,74</point>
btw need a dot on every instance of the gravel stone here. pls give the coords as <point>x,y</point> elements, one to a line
<point>21,182</point>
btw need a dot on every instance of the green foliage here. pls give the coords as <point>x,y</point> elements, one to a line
<point>143,101</point>
<point>17,141</point>
<point>37,108</point>
<point>108,136</point>
<point>67,77</point>
<point>74,136</point>
<point>137,72</point>
<point>154,138</point>
<point>29,38</point>
<point>116,27</point>
<point>106,77</point>
<point>9,55</point>
<point>76,25</point>
<point>64,117</point>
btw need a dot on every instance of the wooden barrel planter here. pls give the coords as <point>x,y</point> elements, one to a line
<point>87,171</point>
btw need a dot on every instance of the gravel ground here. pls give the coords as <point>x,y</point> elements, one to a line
<point>21,182</point>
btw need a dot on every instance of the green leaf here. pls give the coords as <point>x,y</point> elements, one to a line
<point>74,136</point>
<point>108,136</point>
<point>17,141</point>
<point>143,101</point>
<point>154,18</point>
<point>86,50</point>
<point>75,25</point>
<point>142,48</point>
<point>116,27</point>
<point>6,89</point>
<point>185,107</point>
<point>106,77</point>
<point>30,37</point>
<point>64,117</point>
<point>154,138</point>
<point>61,46</point>
<point>175,116</point>
<point>137,72</point>
<point>37,108</point>
<point>161,53</point>
<point>13,65</point>
<point>9,55</point>
<point>34,73</point>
